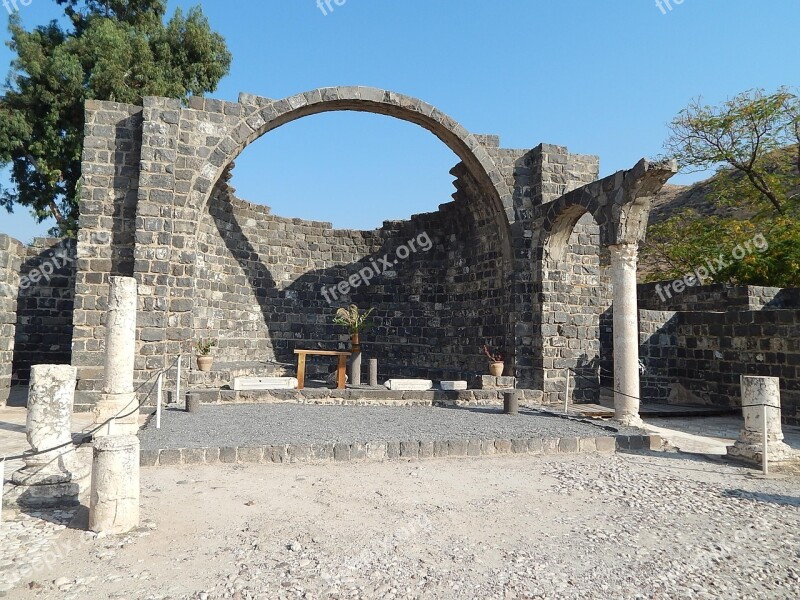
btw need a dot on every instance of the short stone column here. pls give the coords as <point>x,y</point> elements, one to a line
<point>52,478</point>
<point>757,391</point>
<point>114,502</point>
<point>118,395</point>
<point>624,259</point>
<point>373,372</point>
<point>355,369</point>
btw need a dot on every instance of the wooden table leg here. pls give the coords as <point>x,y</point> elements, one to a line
<point>342,372</point>
<point>301,371</point>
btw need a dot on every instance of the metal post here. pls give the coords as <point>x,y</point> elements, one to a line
<point>2,481</point>
<point>178,381</point>
<point>566,395</point>
<point>765,457</point>
<point>159,386</point>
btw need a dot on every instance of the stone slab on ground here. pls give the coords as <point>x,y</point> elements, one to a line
<point>409,385</point>
<point>264,383</point>
<point>453,385</point>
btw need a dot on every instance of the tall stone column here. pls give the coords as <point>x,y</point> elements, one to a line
<point>626,334</point>
<point>49,479</point>
<point>118,395</point>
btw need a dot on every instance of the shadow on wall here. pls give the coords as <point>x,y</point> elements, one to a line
<point>44,307</point>
<point>434,307</point>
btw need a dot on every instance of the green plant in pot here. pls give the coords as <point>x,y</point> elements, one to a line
<point>355,321</point>
<point>497,361</point>
<point>204,358</point>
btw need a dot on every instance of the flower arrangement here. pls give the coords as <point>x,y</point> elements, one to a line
<point>353,319</point>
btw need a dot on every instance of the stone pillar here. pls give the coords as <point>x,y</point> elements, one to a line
<point>118,395</point>
<point>49,479</point>
<point>373,372</point>
<point>511,402</point>
<point>757,391</point>
<point>626,334</point>
<point>114,503</point>
<point>355,369</point>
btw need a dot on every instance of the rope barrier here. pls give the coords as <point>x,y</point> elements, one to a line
<point>87,437</point>
<point>638,398</point>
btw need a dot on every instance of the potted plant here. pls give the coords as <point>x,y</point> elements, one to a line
<point>204,358</point>
<point>496,361</point>
<point>355,321</point>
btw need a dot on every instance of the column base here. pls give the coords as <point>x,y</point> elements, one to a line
<point>629,420</point>
<point>44,495</point>
<point>777,452</point>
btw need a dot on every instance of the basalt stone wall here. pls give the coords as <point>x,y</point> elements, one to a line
<point>267,285</point>
<point>113,155</point>
<point>661,296</point>
<point>152,206</point>
<point>45,306</point>
<point>538,177</point>
<point>12,253</point>
<point>698,356</point>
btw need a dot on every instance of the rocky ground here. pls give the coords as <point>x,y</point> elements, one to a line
<point>584,526</point>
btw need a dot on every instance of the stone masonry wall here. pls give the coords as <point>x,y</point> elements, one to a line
<point>45,306</point>
<point>705,352</point>
<point>11,255</point>
<point>108,229</point>
<point>537,177</point>
<point>151,207</point>
<point>261,277</point>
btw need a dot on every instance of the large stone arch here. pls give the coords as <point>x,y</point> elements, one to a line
<point>258,116</point>
<point>186,152</point>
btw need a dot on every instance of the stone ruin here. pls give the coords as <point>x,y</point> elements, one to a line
<point>529,257</point>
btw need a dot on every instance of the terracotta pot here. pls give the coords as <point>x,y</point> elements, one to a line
<point>204,363</point>
<point>496,369</point>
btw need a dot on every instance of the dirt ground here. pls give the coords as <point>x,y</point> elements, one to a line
<point>638,525</point>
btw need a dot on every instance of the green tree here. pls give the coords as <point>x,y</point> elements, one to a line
<point>753,141</point>
<point>118,50</point>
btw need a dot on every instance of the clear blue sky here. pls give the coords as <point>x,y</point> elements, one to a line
<point>601,77</point>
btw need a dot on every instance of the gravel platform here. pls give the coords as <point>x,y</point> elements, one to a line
<point>260,425</point>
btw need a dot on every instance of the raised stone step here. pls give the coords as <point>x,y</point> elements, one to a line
<point>241,384</point>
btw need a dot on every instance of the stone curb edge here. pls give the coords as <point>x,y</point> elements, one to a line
<point>378,451</point>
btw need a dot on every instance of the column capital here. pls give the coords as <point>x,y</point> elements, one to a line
<point>625,253</point>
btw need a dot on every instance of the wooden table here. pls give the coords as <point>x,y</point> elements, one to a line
<point>341,368</point>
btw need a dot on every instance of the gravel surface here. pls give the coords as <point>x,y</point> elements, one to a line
<point>259,424</point>
<point>580,527</point>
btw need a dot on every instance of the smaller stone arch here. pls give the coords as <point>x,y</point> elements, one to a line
<point>620,205</point>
